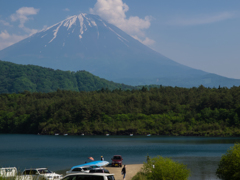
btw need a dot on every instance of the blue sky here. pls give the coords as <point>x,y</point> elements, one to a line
<point>200,34</point>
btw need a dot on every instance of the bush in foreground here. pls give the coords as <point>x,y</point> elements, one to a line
<point>140,176</point>
<point>160,168</point>
<point>229,165</point>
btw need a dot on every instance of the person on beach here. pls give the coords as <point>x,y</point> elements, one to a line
<point>102,158</point>
<point>124,171</point>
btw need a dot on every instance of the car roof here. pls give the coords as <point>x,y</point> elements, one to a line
<point>85,166</point>
<point>78,168</point>
<point>8,168</point>
<point>35,168</point>
<point>94,174</point>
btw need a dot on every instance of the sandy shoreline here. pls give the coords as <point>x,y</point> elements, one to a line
<point>132,169</point>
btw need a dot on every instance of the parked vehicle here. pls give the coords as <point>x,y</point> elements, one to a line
<point>83,169</point>
<point>89,176</point>
<point>117,160</point>
<point>79,170</point>
<point>8,172</point>
<point>99,171</point>
<point>38,174</point>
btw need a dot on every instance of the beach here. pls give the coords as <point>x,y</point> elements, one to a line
<point>131,169</point>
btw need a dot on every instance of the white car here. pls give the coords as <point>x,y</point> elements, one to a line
<point>89,176</point>
<point>83,169</point>
<point>8,172</point>
<point>39,174</point>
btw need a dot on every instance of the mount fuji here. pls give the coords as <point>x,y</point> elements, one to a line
<point>87,42</point>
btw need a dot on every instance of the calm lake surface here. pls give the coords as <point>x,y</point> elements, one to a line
<point>200,154</point>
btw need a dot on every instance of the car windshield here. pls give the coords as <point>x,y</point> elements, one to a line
<point>95,166</point>
<point>99,171</point>
<point>106,171</point>
<point>30,172</point>
<point>8,170</point>
<point>44,171</point>
<point>87,168</point>
<point>110,177</point>
<point>117,157</point>
<point>77,169</point>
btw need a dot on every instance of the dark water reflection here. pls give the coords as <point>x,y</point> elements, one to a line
<point>200,154</point>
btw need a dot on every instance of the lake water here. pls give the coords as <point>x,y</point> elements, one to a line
<point>200,154</point>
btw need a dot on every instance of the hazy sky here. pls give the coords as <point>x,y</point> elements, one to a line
<point>203,34</point>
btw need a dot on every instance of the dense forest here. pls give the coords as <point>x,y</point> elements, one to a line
<point>158,110</point>
<point>16,78</point>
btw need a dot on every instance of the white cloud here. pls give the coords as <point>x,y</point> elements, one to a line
<point>22,15</point>
<point>66,9</point>
<point>146,41</point>
<point>4,23</point>
<point>114,11</point>
<point>44,27</point>
<point>4,35</point>
<point>203,19</point>
<point>30,31</point>
<point>6,39</point>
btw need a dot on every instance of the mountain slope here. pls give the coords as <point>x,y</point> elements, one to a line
<point>18,78</point>
<point>86,42</point>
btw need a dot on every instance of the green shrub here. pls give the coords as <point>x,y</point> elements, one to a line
<point>160,168</point>
<point>229,165</point>
<point>140,176</point>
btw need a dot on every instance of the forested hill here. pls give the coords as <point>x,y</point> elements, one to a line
<point>161,110</point>
<point>16,78</point>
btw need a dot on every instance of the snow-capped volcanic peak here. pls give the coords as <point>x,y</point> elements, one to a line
<point>68,23</point>
<point>79,24</point>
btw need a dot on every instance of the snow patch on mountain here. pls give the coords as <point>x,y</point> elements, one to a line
<point>70,22</point>
<point>55,32</point>
<point>43,35</point>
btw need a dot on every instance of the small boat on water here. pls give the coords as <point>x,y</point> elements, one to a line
<point>107,134</point>
<point>131,134</point>
<point>65,134</point>
<point>82,134</point>
<point>56,134</point>
<point>148,134</point>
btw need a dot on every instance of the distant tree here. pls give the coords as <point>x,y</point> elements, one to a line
<point>229,166</point>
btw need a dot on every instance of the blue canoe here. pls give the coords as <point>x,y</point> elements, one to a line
<point>97,163</point>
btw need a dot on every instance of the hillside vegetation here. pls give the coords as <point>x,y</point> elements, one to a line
<point>160,110</point>
<point>16,78</point>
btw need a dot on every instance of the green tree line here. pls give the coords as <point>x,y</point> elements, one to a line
<point>16,78</point>
<point>157,110</point>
